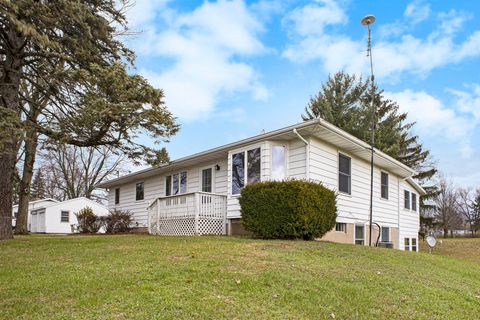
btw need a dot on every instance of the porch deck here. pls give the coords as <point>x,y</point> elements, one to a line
<point>196,213</point>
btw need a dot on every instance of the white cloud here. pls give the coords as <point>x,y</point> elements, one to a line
<point>313,18</point>
<point>208,46</point>
<point>451,124</point>
<point>417,11</point>
<point>405,53</point>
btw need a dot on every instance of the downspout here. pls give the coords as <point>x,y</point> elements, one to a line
<point>307,153</point>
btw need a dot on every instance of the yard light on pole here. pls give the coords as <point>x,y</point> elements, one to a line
<point>367,21</point>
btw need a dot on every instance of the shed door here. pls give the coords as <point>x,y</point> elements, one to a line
<point>41,221</point>
<point>33,222</point>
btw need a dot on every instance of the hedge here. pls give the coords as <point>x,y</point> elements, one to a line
<point>293,209</point>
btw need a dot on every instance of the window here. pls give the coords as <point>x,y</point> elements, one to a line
<point>253,165</point>
<point>176,184</point>
<point>238,167</point>
<point>359,234</point>
<point>139,191</point>
<point>64,216</point>
<point>384,185</point>
<point>385,237</point>
<point>341,227</point>
<point>344,173</point>
<point>117,195</point>
<point>207,180</point>
<point>414,201</point>
<point>183,182</point>
<point>278,163</point>
<point>252,168</point>
<point>414,244</point>
<point>168,186</point>
<point>407,244</point>
<point>406,199</point>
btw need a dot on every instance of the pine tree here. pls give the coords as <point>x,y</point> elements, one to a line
<point>38,190</point>
<point>158,157</point>
<point>345,101</point>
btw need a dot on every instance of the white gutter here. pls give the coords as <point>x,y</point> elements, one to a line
<point>307,153</point>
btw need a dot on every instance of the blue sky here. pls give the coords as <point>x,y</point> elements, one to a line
<point>230,69</point>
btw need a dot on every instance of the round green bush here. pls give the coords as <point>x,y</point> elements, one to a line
<point>288,209</point>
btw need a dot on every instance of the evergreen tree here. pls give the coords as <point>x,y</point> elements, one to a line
<point>345,101</point>
<point>158,157</point>
<point>64,75</point>
<point>38,190</point>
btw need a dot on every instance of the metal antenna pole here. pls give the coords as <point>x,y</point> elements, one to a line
<point>367,21</point>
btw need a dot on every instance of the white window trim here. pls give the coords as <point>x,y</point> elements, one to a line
<point>343,224</point>
<point>136,191</point>
<point>62,211</point>
<point>200,176</point>
<point>389,233</point>
<point>171,183</point>
<point>409,200</point>
<point>244,150</point>
<point>388,185</point>
<point>286,146</point>
<point>338,173</point>
<point>364,233</point>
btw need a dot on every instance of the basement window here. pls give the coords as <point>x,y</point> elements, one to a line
<point>341,227</point>
<point>407,244</point>
<point>414,244</point>
<point>385,237</point>
<point>360,234</point>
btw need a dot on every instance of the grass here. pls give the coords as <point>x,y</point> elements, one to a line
<point>463,248</point>
<point>147,277</point>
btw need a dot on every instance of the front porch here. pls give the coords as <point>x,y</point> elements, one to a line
<point>196,213</point>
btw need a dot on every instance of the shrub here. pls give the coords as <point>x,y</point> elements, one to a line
<point>88,222</point>
<point>117,221</point>
<point>288,209</point>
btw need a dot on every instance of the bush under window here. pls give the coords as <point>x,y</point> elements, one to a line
<point>117,221</point>
<point>292,209</point>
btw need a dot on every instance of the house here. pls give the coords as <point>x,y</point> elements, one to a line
<point>198,194</point>
<point>51,216</point>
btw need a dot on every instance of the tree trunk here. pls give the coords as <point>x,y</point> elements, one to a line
<point>31,141</point>
<point>445,233</point>
<point>9,130</point>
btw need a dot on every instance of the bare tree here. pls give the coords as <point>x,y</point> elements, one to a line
<point>74,171</point>
<point>446,213</point>
<point>465,206</point>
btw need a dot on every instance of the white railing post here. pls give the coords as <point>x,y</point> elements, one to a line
<point>158,216</point>
<point>197,211</point>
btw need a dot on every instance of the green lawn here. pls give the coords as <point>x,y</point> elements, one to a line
<point>144,277</point>
<point>463,248</point>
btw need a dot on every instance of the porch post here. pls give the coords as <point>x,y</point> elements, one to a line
<point>197,211</point>
<point>158,216</point>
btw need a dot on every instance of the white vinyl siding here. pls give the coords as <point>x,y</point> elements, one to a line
<point>409,221</point>
<point>154,187</point>
<point>355,207</point>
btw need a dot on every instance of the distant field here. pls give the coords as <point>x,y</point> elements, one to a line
<point>463,248</point>
<point>146,277</point>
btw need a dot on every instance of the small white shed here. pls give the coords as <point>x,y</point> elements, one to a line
<point>59,217</point>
